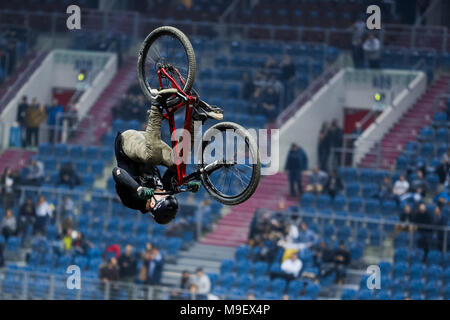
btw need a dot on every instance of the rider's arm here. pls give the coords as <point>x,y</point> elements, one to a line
<point>122,177</point>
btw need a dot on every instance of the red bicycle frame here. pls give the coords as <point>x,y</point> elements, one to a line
<point>189,100</point>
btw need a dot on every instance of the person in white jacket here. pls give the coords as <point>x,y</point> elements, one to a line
<point>292,266</point>
<point>201,280</point>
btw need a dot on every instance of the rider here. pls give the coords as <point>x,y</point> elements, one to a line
<point>138,153</point>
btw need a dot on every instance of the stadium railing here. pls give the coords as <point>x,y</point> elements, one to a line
<point>60,284</point>
<point>385,227</point>
<point>138,26</point>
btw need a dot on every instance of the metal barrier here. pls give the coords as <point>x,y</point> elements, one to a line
<point>26,285</point>
<point>388,228</point>
<point>138,26</point>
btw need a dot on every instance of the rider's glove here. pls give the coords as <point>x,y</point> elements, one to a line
<point>193,186</point>
<point>145,193</point>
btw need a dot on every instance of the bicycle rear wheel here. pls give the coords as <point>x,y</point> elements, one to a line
<point>170,48</point>
<point>237,178</point>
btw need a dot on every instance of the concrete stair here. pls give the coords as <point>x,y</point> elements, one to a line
<point>407,127</point>
<point>14,158</point>
<point>101,110</point>
<point>232,230</point>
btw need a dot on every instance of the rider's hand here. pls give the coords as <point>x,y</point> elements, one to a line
<point>193,186</point>
<point>145,193</point>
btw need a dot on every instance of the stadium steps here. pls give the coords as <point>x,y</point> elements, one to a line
<point>14,158</point>
<point>232,230</point>
<point>407,127</point>
<point>199,255</point>
<point>101,110</point>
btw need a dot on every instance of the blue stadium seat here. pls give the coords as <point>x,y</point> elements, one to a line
<point>416,287</point>
<point>323,201</point>
<point>365,294</point>
<point>372,206</point>
<point>355,204</point>
<point>278,286</point>
<point>339,202</point>
<point>388,207</point>
<point>260,269</point>
<point>348,294</point>
<point>434,273</point>
<point>383,295</point>
<point>352,189</point>
<point>434,257</point>
<point>226,266</point>
<point>307,200</point>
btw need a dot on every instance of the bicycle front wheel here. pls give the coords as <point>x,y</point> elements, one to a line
<point>166,47</point>
<point>231,150</point>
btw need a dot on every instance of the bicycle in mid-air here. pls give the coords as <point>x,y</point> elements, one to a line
<point>167,67</point>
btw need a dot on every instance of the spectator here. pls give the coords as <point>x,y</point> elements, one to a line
<point>54,113</point>
<point>335,134</point>
<point>307,236</point>
<point>423,220</point>
<point>291,267</point>
<point>67,241</point>
<point>288,78</point>
<point>7,186</point>
<point>26,216</point>
<point>66,224</point>
<point>385,189</point>
<point>80,244</point>
<point>34,116</point>
<point>270,101</point>
<point>443,198</point>
<point>372,49</point>
<point>248,87</point>
<point>43,213</point>
<point>294,168</point>
<point>359,29</point>
<point>324,258</point>
<point>109,273</point>
<point>334,184</point>
<point>251,296</point>
<point>401,187</point>
<point>439,221</point>
<point>419,184</point>
<point>155,267</point>
<point>21,117</point>
<point>406,219</point>
<point>341,261</point>
<point>127,265</point>
<point>316,181</point>
<point>201,280</point>
<point>444,167</point>
<point>323,147</point>
<point>36,174</point>
<point>71,113</point>
<point>185,280</point>
<point>67,206</point>
<point>9,225</point>
<point>68,176</point>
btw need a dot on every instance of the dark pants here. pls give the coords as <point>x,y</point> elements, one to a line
<point>40,226</point>
<point>32,139</point>
<point>295,180</point>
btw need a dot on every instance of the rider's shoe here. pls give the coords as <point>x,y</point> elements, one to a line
<point>145,193</point>
<point>203,110</point>
<point>193,186</point>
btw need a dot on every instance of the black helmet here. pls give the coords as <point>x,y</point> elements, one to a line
<point>165,210</point>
